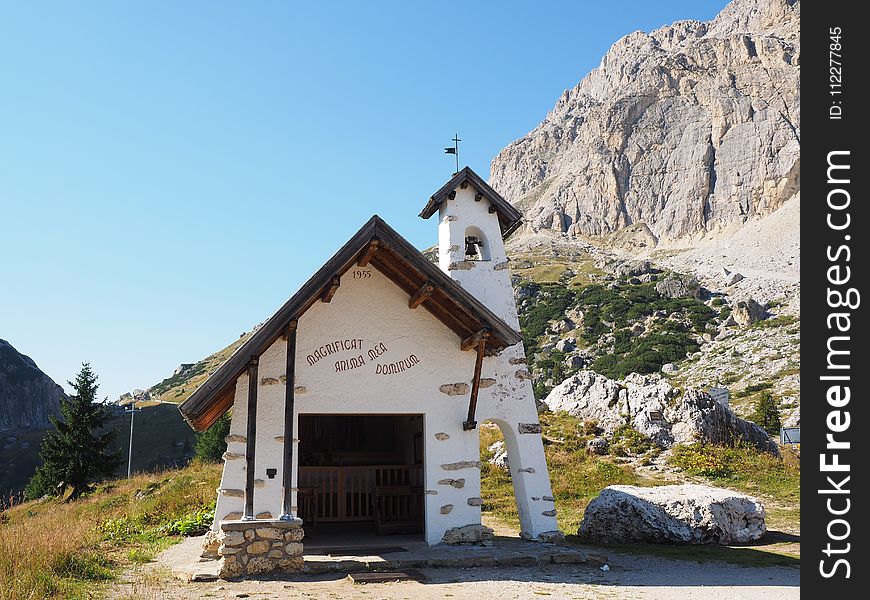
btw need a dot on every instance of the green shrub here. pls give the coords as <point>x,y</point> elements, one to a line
<point>550,303</point>
<point>646,354</point>
<point>766,414</point>
<point>697,459</point>
<point>211,443</point>
<point>780,321</point>
<point>628,441</point>
<point>193,523</point>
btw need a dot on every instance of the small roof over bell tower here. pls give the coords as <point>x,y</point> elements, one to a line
<point>509,218</point>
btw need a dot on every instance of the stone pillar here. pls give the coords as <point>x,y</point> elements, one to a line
<point>260,546</point>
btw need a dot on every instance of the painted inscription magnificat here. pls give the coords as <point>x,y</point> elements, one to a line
<point>333,347</point>
<point>355,346</point>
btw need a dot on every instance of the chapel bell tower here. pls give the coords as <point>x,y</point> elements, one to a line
<point>474,221</point>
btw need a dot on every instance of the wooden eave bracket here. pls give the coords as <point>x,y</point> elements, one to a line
<point>421,295</point>
<point>370,252</point>
<point>473,340</point>
<point>330,290</point>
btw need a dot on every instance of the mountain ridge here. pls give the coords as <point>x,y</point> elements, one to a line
<point>685,130</point>
<point>28,397</point>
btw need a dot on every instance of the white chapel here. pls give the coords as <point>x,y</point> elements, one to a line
<point>360,400</point>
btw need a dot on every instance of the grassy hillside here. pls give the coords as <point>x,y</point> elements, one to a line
<point>55,549</point>
<point>178,387</point>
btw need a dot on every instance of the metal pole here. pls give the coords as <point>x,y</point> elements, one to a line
<point>456,145</point>
<point>130,451</point>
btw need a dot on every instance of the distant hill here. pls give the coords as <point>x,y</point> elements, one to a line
<point>177,387</point>
<point>27,395</point>
<point>161,439</point>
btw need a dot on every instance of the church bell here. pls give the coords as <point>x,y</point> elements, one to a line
<point>471,244</point>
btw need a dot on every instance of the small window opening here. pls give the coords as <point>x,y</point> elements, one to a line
<point>476,244</point>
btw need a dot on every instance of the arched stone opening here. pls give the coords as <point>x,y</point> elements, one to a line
<point>502,504</point>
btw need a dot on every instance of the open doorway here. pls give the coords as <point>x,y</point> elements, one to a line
<point>360,474</point>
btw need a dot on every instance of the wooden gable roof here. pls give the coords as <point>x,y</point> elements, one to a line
<point>509,218</point>
<point>379,245</point>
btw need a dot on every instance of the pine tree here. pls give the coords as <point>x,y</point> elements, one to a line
<point>211,443</point>
<point>73,453</point>
<point>766,414</point>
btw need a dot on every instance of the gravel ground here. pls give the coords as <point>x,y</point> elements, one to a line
<point>630,577</point>
<point>766,251</point>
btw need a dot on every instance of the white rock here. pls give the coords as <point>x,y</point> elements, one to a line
<point>688,417</point>
<point>689,514</point>
<point>499,455</point>
<point>733,278</point>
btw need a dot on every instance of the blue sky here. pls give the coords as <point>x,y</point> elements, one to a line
<point>171,172</point>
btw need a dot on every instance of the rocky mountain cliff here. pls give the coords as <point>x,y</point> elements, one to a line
<point>684,131</point>
<point>27,395</point>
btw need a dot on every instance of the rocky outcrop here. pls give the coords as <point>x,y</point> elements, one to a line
<point>685,514</point>
<point>692,128</point>
<point>679,286</point>
<point>652,406</point>
<point>28,397</point>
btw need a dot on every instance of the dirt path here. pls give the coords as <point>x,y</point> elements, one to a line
<point>631,577</point>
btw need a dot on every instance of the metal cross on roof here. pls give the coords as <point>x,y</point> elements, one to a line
<point>454,151</point>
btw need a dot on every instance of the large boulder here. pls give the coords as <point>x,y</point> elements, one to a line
<point>679,286</point>
<point>652,406</point>
<point>747,312</point>
<point>686,514</point>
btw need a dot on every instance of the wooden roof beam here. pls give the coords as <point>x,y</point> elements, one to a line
<point>421,295</point>
<point>330,290</point>
<point>369,253</point>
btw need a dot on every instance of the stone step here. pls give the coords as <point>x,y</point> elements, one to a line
<point>316,564</point>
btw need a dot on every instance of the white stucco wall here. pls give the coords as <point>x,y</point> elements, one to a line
<point>370,308</point>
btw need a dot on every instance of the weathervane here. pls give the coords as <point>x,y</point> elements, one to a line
<point>454,150</point>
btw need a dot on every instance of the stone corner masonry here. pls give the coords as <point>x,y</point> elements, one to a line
<point>258,546</point>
